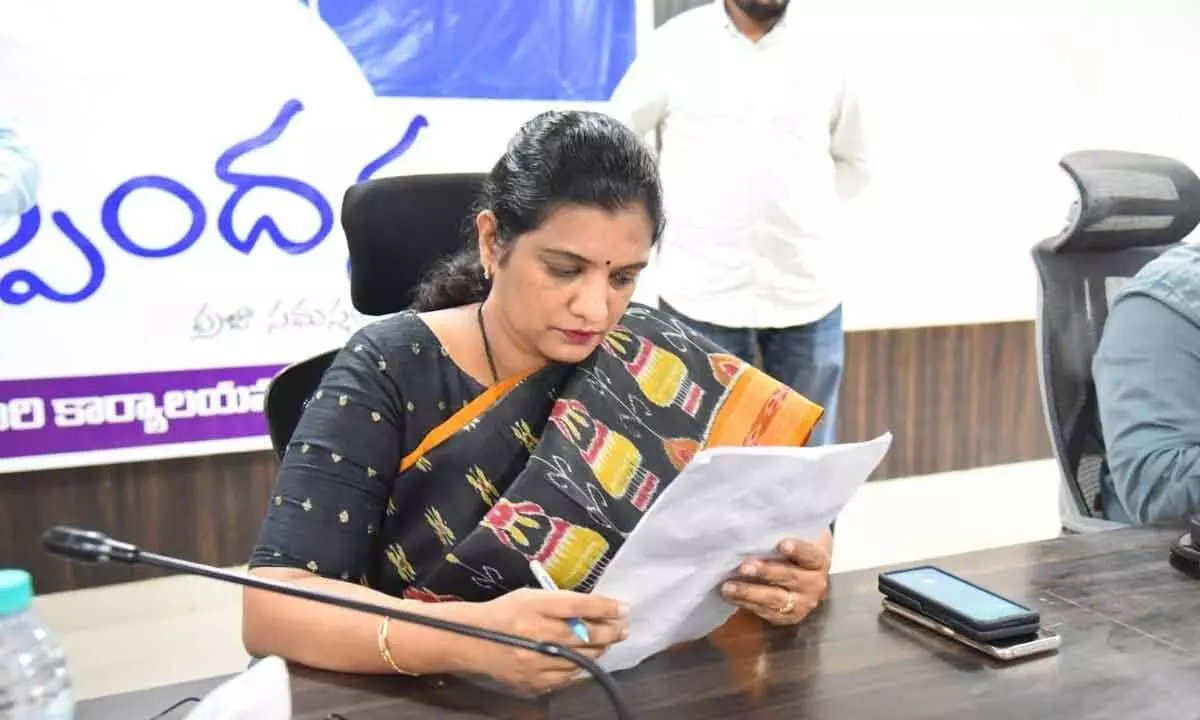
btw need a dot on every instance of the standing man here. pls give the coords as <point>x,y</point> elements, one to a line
<point>761,142</point>
<point>18,174</point>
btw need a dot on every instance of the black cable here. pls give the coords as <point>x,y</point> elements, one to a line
<point>175,707</point>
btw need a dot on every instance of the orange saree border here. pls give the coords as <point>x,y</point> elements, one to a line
<point>460,419</point>
<point>760,410</point>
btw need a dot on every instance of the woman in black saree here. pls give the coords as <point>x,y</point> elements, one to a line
<point>522,410</point>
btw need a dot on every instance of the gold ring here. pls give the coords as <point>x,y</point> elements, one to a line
<point>790,605</point>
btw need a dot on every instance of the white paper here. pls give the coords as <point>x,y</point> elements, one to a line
<point>263,692</point>
<point>729,504</point>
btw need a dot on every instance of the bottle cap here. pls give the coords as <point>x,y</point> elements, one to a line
<point>16,592</point>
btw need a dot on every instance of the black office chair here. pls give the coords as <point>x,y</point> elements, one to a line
<point>397,229</point>
<point>1131,208</point>
<point>288,394</point>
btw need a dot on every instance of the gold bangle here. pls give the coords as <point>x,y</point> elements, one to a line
<point>386,652</point>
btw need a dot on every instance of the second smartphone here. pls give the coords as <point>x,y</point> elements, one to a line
<point>1042,641</point>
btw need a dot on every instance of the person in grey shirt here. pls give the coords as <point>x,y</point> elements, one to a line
<point>18,174</point>
<point>1147,375</point>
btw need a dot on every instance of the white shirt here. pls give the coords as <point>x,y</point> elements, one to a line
<point>761,143</point>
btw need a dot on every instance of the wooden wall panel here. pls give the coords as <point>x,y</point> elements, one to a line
<point>953,397</point>
<point>205,509</point>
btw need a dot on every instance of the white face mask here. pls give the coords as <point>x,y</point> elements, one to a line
<point>263,692</point>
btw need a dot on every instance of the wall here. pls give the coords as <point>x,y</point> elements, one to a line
<point>975,103</point>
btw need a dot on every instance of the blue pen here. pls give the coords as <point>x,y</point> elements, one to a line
<point>547,583</point>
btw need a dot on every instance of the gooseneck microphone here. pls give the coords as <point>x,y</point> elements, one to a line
<point>91,546</point>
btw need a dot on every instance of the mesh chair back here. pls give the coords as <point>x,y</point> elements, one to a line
<point>1131,208</point>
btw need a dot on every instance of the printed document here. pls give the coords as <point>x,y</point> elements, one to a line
<point>728,505</point>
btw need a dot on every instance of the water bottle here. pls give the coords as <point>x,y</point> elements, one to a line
<point>34,684</point>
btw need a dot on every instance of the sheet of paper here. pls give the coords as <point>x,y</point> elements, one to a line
<point>263,692</point>
<point>727,505</point>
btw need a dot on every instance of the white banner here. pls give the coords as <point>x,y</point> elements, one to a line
<point>194,154</point>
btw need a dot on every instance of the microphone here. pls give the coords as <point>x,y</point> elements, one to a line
<point>1185,552</point>
<point>91,546</point>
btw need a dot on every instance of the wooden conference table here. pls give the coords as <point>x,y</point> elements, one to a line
<point>1131,649</point>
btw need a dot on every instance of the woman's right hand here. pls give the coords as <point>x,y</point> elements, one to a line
<point>542,615</point>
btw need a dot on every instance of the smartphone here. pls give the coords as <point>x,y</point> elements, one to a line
<point>962,606</point>
<point>1041,641</point>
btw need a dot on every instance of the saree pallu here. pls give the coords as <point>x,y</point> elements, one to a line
<point>561,465</point>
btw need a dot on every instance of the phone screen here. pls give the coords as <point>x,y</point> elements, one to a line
<point>970,601</point>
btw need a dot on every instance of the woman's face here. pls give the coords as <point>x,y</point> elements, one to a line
<point>561,287</point>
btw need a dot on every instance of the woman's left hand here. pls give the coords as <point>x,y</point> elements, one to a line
<point>783,590</point>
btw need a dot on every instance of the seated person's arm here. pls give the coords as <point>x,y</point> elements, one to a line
<point>334,482</point>
<point>1147,375</point>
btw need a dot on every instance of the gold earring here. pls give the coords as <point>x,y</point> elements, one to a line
<point>487,274</point>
